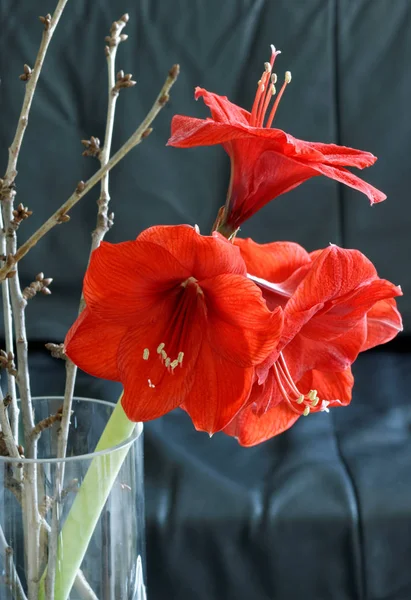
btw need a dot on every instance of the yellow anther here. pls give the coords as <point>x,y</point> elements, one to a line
<point>161,346</point>
<point>273,77</point>
<point>312,394</point>
<point>174,364</point>
<point>163,354</point>
<point>167,363</point>
<point>287,77</point>
<point>146,353</point>
<point>315,402</point>
<point>273,90</point>
<point>267,67</point>
<point>300,400</point>
<point>306,411</point>
<point>180,357</point>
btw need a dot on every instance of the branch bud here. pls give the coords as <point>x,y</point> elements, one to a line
<point>56,350</point>
<point>25,76</point>
<point>174,71</point>
<point>81,186</point>
<point>92,147</point>
<point>46,21</point>
<point>40,284</point>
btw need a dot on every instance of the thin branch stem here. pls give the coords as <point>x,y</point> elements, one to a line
<point>13,581</point>
<point>7,194</point>
<point>136,138</point>
<point>8,437</point>
<point>8,334</point>
<point>31,85</point>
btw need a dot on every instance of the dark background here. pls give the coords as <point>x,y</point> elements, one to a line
<point>324,510</point>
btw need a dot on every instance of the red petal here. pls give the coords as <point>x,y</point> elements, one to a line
<point>250,429</point>
<point>334,274</point>
<point>219,391</point>
<point>335,387</point>
<point>92,344</point>
<point>347,178</point>
<point>383,323</point>
<point>240,326</point>
<point>187,132</point>
<point>303,354</point>
<point>202,256</point>
<point>343,156</point>
<point>274,262</point>
<point>125,280</point>
<point>222,110</point>
<point>345,312</point>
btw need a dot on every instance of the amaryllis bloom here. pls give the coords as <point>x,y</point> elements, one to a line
<point>173,316</point>
<point>265,162</point>
<point>335,306</point>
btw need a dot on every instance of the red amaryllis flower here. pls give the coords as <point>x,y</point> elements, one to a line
<point>265,162</point>
<point>335,306</point>
<point>173,316</point>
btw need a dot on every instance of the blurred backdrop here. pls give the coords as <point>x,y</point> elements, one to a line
<point>324,510</point>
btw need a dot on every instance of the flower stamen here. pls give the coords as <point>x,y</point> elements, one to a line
<point>287,80</point>
<point>302,404</point>
<point>264,91</point>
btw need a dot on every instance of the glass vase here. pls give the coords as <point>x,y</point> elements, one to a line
<point>93,500</point>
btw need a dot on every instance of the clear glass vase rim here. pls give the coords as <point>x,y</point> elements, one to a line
<point>89,456</point>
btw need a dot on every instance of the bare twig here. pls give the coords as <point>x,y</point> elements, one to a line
<point>83,188</point>
<point>7,436</point>
<point>46,423</point>
<point>14,150</point>
<point>7,194</point>
<point>12,579</point>
<point>8,334</point>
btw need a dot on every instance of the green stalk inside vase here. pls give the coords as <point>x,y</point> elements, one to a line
<point>89,502</point>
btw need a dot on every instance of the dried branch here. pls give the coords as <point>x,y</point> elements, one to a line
<point>7,194</point>
<point>8,335</point>
<point>136,138</point>
<point>46,423</point>
<point>7,362</point>
<point>8,191</point>
<point>12,580</point>
<point>7,439</point>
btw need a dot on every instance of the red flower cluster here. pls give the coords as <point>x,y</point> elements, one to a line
<point>265,162</point>
<point>245,337</point>
<point>335,306</point>
<point>180,324</point>
<point>173,316</point>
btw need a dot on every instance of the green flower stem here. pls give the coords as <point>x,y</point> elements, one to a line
<point>88,503</point>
